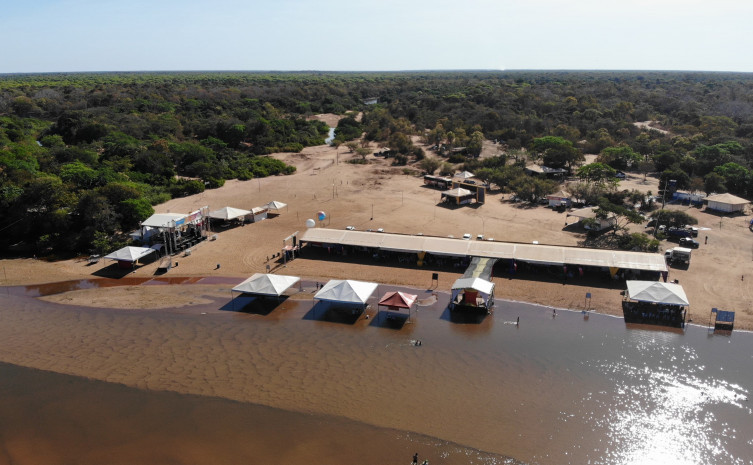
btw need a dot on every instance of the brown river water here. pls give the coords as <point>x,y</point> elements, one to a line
<point>301,383</point>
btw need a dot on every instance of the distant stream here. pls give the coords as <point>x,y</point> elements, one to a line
<point>330,137</point>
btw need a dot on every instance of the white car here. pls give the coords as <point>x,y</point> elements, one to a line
<point>350,228</point>
<point>467,237</point>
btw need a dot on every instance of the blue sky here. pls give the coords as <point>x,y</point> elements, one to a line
<point>374,35</point>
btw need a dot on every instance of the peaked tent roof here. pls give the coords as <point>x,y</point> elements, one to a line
<point>130,254</point>
<point>398,299</point>
<point>162,220</point>
<point>657,292</point>
<point>457,192</point>
<point>727,198</point>
<point>228,213</point>
<point>266,284</point>
<point>275,205</point>
<point>349,291</point>
<point>464,175</point>
<point>559,195</point>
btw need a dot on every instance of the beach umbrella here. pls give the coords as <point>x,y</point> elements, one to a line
<point>321,215</point>
<point>310,223</point>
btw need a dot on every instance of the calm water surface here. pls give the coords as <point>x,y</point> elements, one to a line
<point>564,389</point>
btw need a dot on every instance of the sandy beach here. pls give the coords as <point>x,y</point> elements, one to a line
<point>377,195</point>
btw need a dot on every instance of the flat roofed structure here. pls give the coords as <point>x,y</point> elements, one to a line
<point>531,253</point>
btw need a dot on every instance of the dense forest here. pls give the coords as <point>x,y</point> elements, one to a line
<point>84,157</point>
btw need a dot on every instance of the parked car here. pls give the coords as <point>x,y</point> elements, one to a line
<point>689,243</point>
<point>678,232</point>
<point>693,230</point>
<point>350,228</point>
<point>467,236</point>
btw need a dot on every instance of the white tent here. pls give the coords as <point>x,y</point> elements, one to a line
<point>347,291</point>
<point>266,284</point>
<point>275,205</point>
<point>228,213</point>
<point>130,254</point>
<point>476,284</point>
<point>657,292</point>
<point>472,292</point>
<point>162,220</point>
<point>464,175</point>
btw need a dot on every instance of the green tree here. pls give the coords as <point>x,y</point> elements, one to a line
<point>133,212</point>
<point>596,173</point>
<point>557,152</point>
<point>713,182</point>
<point>619,158</point>
<point>475,144</point>
<point>673,218</point>
<point>430,165</point>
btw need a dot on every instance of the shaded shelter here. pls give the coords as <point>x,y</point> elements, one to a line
<point>475,289</point>
<point>128,256</point>
<point>276,206</point>
<point>655,302</point>
<point>458,196</point>
<point>229,213</point>
<point>397,301</point>
<point>346,291</point>
<point>464,175</point>
<point>266,285</point>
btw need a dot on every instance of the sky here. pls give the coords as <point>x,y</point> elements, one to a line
<point>374,35</point>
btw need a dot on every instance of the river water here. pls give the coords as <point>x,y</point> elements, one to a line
<point>556,389</point>
<point>330,136</point>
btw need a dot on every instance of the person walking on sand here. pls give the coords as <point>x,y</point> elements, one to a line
<point>415,459</point>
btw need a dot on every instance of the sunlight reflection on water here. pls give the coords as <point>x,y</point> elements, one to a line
<point>666,415</point>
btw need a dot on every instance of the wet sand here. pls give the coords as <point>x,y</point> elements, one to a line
<point>556,389</point>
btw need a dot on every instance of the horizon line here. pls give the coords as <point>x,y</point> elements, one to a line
<point>438,70</point>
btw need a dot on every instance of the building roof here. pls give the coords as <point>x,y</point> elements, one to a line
<point>657,292</point>
<point>559,195</point>
<point>266,284</point>
<point>532,253</point>
<point>162,220</point>
<point>728,199</point>
<point>545,169</point>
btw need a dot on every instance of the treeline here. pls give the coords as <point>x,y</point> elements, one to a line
<point>83,157</point>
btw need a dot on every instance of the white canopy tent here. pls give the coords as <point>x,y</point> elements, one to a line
<point>346,291</point>
<point>228,213</point>
<point>162,220</point>
<point>128,256</point>
<point>656,292</point>
<point>464,175</point>
<point>275,205</point>
<point>472,292</point>
<point>266,284</point>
